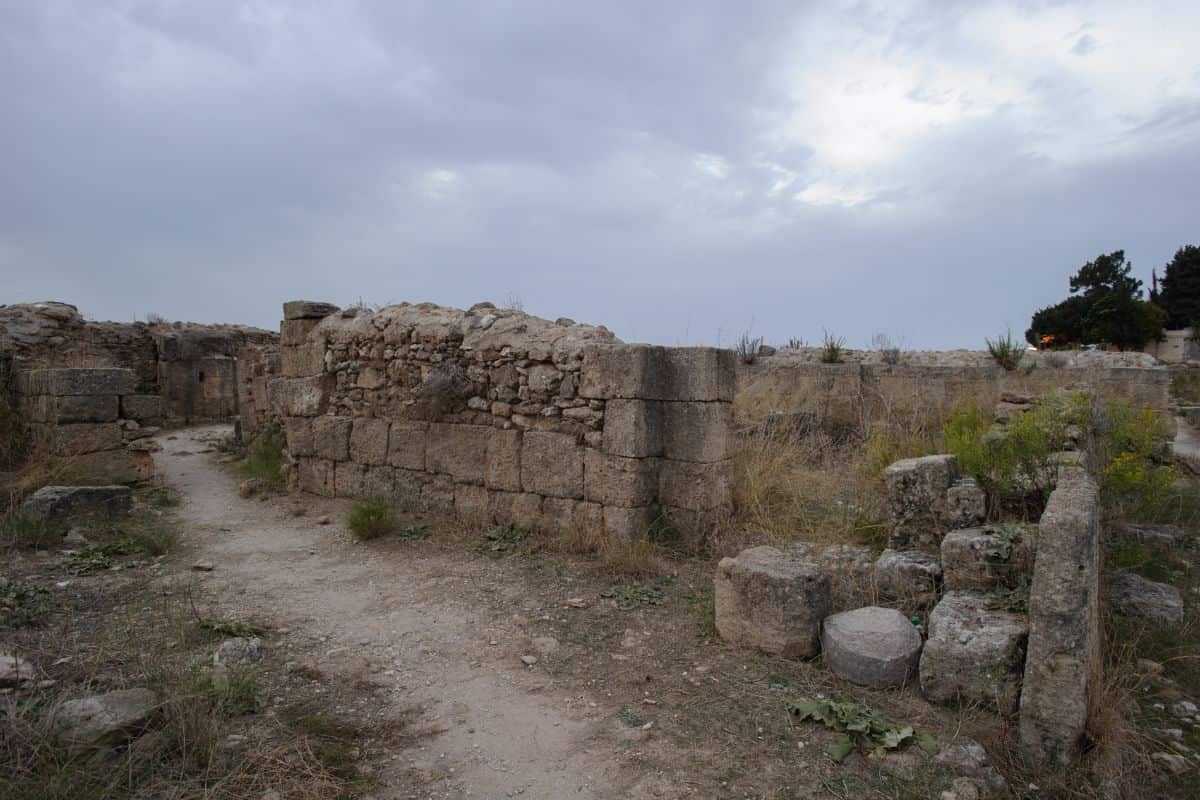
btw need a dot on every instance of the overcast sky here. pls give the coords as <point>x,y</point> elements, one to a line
<point>679,171</point>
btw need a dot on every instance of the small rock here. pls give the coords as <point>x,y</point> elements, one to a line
<point>75,539</point>
<point>1151,669</point>
<point>1171,762</point>
<point>104,719</point>
<point>577,602</point>
<point>325,521</point>
<point>529,660</point>
<point>966,757</point>
<point>1134,596</point>
<point>962,789</point>
<point>251,487</point>
<point>14,671</point>
<point>238,651</point>
<point>203,566</point>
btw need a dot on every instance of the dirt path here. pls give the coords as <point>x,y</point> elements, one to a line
<point>419,625</point>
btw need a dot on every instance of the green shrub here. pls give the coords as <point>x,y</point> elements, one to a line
<point>1185,386</point>
<point>23,530</point>
<point>1134,480</point>
<point>265,455</point>
<point>370,519</point>
<point>22,602</point>
<point>1006,350</point>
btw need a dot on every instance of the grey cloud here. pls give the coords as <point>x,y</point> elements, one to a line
<point>209,160</point>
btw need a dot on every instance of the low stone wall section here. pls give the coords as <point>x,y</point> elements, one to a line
<point>92,423</point>
<point>506,418</point>
<point>1064,663</point>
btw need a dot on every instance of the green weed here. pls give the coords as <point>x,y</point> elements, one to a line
<point>858,727</point>
<point>22,602</point>
<point>370,519</point>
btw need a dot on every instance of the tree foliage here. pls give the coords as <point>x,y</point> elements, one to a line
<point>1105,307</point>
<point>1180,294</point>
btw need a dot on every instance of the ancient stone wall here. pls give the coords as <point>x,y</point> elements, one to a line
<point>192,367</point>
<point>506,418</point>
<point>256,366</point>
<point>860,392</point>
<point>91,424</point>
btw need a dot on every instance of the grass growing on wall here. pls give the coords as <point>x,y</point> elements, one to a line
<point>265,456</point>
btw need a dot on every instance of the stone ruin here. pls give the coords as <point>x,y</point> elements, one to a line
<point>1042,664</point>
<point>191,367</point>
<point>503,418</point>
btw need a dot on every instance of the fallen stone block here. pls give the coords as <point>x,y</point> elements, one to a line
<point>60,508</point>
<point>871,646</point>
<point>907,575</point>
<point>768,599</point>
<point>917,490</point>
<point>1063,665</point>
<point>1132,595</point>
<point>975,559</point>
<point>974,655</point>
<point>104,719</point>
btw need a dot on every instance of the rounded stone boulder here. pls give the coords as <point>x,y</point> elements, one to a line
<point>871,646</point>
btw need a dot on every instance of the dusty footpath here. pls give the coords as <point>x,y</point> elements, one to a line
<point>419,629</point>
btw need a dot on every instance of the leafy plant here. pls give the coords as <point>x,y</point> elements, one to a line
<point>858,726</point>
<point>630,718</point>
<point>265,455</point>
<point>99,557</point>
<point>1013,598</point>
<point>628,597</point>
<point>831,350</point>
<point>1005,538</point>
<point>1006,351</point>
<point>747,348</point>
<point>241,628</point>
<point>505,538</point>
<point>22,602</point>
<point>25,530</point>
<point>414,531</point>
<point>371,518</point>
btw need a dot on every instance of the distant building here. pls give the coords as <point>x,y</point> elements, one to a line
<point>1176,347</point>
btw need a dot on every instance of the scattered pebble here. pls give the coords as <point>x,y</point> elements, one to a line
<point>203,566</point>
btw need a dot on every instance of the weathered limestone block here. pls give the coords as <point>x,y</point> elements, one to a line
<point>303,360</point>
<point>633,428</point>
<point>907,575</point>
<point>917,490</point>
<point>503,468</point>
<point>294,332</point>
<point>552,465</point>
<point>406,444</point>
<point>613,480</point>
<point>471,504</point>
<point>85,408</point>
<point>104,720</point>
<point>521,509</point>
<point>703,374</point>
<point>974,655</point>
<point>379,481</point>
<point>458,450</point>
<point>770,600</point>
<point>85,437</point>
<point>543,380</point>
<point>78,381</point>
<point>107,467</point>
<point>701,487</point>
<point>563,514</point>
<point>58,508</point>
<point>871,646</point>
<point>697,431</point>
<point>316,476</point>
<point>299,397</point>
<point>967,565</point>
<point>331,437</point>
<point>966,505</point>
<point>1133,596</point>
<point>627,524</point>
<point>145,409</point>
<point>1063,665</point>
<point>298,434</point>
<point>308,309</point>
<point>369,441</point>
<point>349,479</point>
<point>623,371</point>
